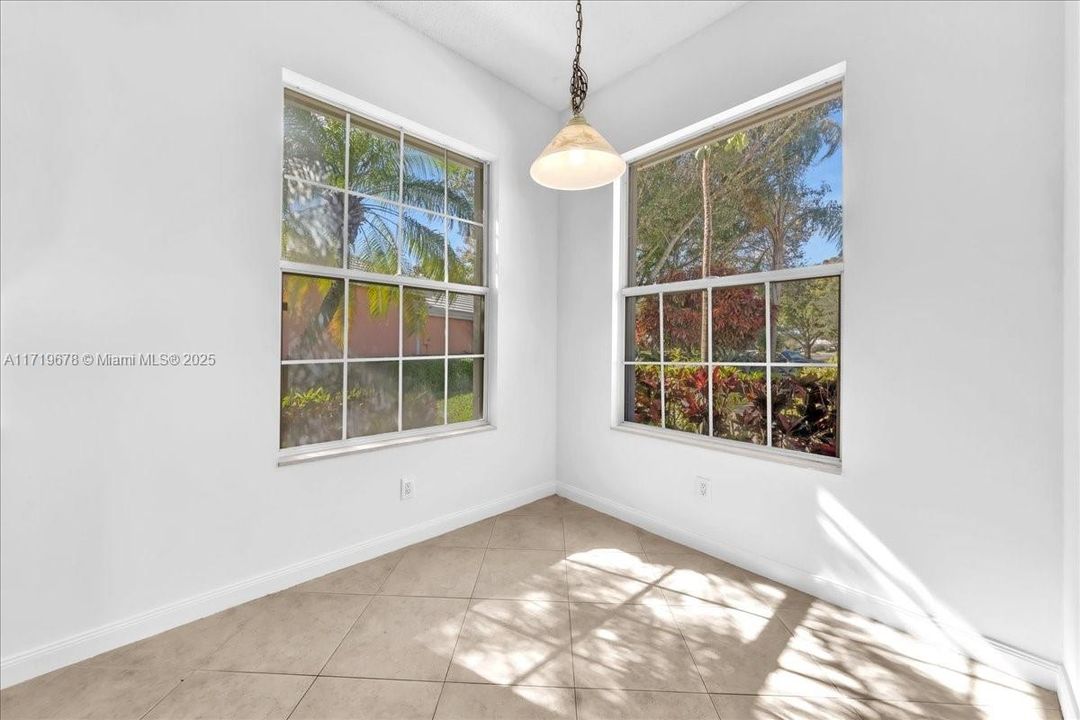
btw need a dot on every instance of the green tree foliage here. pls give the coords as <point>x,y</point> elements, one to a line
<point>377,232</point>
<point>743,203</point>
<point>315,151</point>
<point>808,315</point>
<point>754,209</point>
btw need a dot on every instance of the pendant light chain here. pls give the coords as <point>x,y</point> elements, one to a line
<point>578,157</point>
<point>579,79</point>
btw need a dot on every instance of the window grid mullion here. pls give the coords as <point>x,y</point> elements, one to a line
<point>446,295</point>
<point>401,199</point>
<point>401,353</point>
<point>446,359</point>
<point>401,288</point>
<point>708,354</point>
<point>345,298</point>
<point>349,278</point>
<point>768,364</point>
<point>362,276</point>
<point>663,379</point>
<point>376,198</point>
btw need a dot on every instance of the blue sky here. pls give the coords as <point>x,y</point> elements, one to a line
<point>829,171</point>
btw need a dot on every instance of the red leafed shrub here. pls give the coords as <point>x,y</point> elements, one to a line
<point>647,394</point>
<point>687,396</point>
<point>739,404</point>
<point>804,404</point>
<point>738,316</point>
<point>804,410</point>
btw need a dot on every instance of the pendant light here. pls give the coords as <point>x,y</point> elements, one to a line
<point>578,157</point>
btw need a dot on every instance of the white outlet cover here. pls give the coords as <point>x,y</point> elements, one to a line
<point>408,488</point>
<point>703,487</point>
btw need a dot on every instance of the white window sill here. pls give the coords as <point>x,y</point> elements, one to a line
<point>410,437</point>
<point>777,455</point>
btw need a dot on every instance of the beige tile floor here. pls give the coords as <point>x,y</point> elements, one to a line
<point>550,610</point>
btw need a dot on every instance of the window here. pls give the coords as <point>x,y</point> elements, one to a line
<point>382,282</point>
<point>732,304</point>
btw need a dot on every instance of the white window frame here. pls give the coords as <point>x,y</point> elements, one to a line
<point>323,93</point>
<point>622,289</point>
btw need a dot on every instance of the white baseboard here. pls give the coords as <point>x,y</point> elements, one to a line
<point>998,655</point>
<point>1070,701</point>
<point>31,663</point>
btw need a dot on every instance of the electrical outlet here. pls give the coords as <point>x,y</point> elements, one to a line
<point>703,488</point>
<point>408,488</point>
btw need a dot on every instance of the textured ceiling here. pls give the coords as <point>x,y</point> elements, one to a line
<point>530,43</point>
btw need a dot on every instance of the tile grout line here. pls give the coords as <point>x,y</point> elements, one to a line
<point>756,592</point>
<point>162,698</point>
<point>675,622</point>
<point>305,693</point>
<point>570,618</point>
<point>464,617</point>
<point>371,599</point>
<point>753,591</point>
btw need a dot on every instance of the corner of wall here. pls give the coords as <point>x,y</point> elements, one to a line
<point>1070,684</point>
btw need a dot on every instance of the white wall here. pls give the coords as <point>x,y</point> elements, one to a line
<point>949,501</point>
<point>1071,394</point>
<point>141,192</point>
<point>142,141</point>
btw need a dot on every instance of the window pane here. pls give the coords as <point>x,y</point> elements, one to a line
<point>425,322</point>
<point>466,324</point>
<point>311,224</point>
<point>739,406</point>
<point>422,393</point>
<point>804,409</point>
<point>465,392</point>
<point>807,320</point>
<point>686,399</point>
<point>314,142</point>
<point>373,398</point>
<point>643,394</point>
<point>373,231</point>
<point>465,188</point>
<point>373,320</point>
<point>374,159</point>
<point>425,176</point>
<point>311,317</point>
<point>772,199</point>
<point>667,229</point>
<point>738,315</point>
<point>310,403</point>
<point>466,245</point>
<point>686,334</point>
<point>422,245</point>
<point>643,328</point>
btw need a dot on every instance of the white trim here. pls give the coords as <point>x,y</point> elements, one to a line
<point>791,91</point>
<point>376,198</point>
<point>346,299</point>
<point>31,663</point>
<point>363,276</point>
<point>304,453</point>
<point>622,290</point>
<point>761,452</point>
<point>999,655</point>
<point>756,278</point>
<point>314,88</point>
<point>405,128</point>
<point>672,363</point>
<point>619,268</point>
<point>1067,696</point>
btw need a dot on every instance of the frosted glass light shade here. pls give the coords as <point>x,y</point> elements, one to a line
<point>578,158</point>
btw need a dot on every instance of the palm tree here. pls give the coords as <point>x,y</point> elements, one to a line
<point>376,229</point>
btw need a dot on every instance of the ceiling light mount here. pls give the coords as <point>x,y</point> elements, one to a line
<point>578,157</point>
